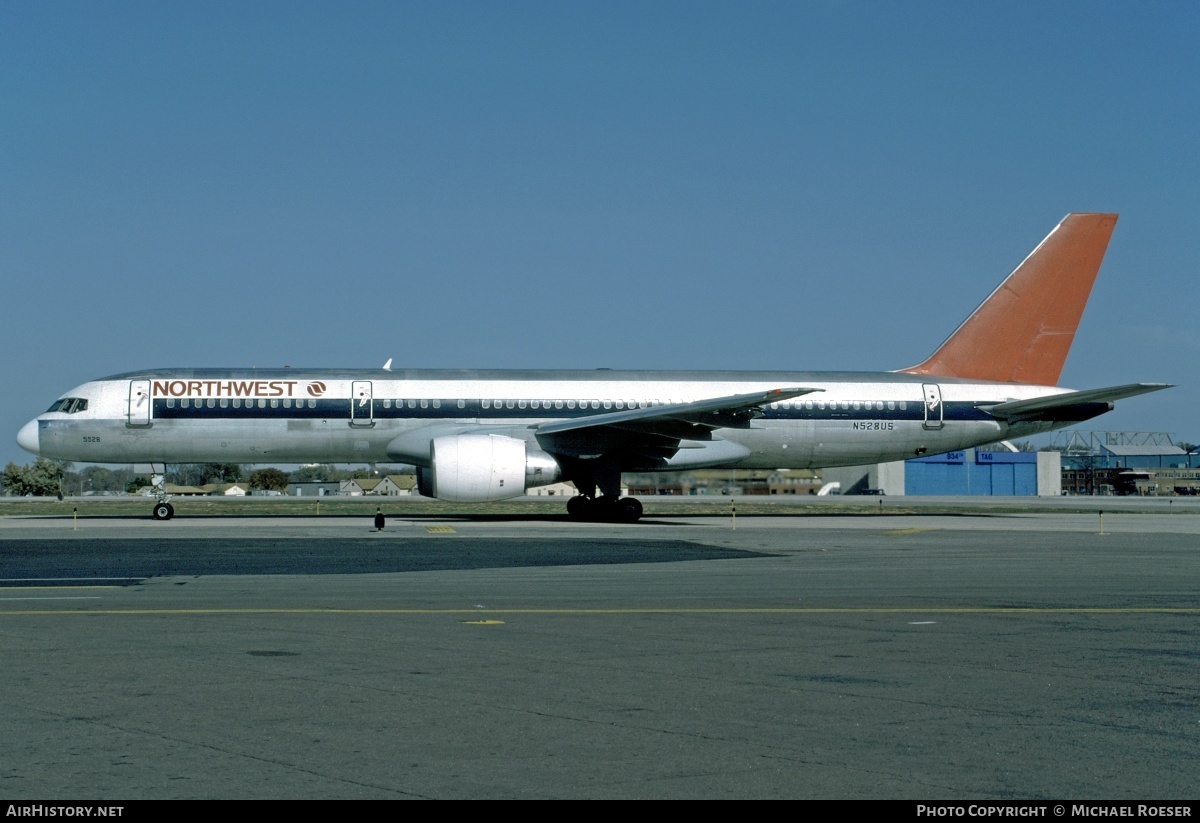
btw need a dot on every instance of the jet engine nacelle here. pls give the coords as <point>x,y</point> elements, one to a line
<point>480,467</point>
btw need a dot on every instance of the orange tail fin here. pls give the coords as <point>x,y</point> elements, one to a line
<point>1023,331</point>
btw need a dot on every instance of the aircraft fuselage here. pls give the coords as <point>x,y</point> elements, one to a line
<point>302,416</point>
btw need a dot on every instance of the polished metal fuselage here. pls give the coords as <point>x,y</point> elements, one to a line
<point>307,416</point>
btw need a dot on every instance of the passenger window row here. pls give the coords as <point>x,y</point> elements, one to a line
<point>844,405</point>
<point>71,405</point>
<point>558,405</point>
<point>236,402</point>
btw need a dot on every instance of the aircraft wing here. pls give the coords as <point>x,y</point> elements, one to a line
<point>1071,405</point>
<point>658,426</point>
<point>649,434</point>
<point>735,411</point>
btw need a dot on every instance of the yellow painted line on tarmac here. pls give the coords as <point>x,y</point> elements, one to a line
<point>570,612</point>
<point>52,597</point>
<point>898,532</point>
<point>52,588</point>
<point>440,530</point>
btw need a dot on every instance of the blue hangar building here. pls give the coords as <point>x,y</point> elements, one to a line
<point>969,472</point>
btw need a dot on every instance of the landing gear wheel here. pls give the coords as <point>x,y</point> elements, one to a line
<point>627,510</point>
<point>605,509</point>
<point>579,508</point>
<point>163,511</point>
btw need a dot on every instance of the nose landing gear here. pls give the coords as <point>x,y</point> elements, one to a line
<point>162,509</point>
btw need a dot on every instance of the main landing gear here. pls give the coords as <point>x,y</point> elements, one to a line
<point>163,511</point>
<point>601,475</point>
<point>605,509</point>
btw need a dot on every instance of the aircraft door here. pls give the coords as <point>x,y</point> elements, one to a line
<point>934,410</point>
<point>140,405</point>
<point>362,406</point>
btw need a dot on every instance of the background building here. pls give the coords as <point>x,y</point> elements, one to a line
<point>970,472</point>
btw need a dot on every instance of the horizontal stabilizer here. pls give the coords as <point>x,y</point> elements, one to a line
<point>1060,406</point>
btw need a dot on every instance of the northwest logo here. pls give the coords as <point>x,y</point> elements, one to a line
<point>316,388</point>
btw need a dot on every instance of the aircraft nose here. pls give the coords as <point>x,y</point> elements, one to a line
<point>27,437</point>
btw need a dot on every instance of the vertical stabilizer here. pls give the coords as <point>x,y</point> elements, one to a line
<point>1023,331</point>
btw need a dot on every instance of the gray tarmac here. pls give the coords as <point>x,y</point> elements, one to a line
<point>1003,656</point>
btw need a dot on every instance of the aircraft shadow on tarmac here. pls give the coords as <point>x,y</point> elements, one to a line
<point>40,562</point>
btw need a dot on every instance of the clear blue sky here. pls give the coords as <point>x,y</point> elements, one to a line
<point>794,185</point>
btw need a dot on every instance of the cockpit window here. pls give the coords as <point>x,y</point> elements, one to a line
<point>69,405</point>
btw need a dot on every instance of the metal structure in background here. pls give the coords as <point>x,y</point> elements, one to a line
<point>1072,442</point>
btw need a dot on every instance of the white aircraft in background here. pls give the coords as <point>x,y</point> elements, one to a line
<point>491,435</point>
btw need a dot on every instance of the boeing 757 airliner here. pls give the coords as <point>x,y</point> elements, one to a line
<point>491,435</point>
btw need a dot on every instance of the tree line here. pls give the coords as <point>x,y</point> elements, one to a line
<point>49,478</point>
